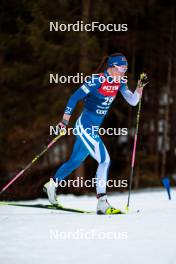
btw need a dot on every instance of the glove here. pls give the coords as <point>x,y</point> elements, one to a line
<point>143,79</point>
<point>141,83</point>
<point>62,125</point>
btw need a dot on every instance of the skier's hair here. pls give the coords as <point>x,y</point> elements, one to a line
<point>105,59</point>
<point>102,64</point>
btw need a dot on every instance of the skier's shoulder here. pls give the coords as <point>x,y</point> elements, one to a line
<point>94,81</point>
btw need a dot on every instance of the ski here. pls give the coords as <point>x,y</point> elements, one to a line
<point>48,206</point>
<point>57,208</point>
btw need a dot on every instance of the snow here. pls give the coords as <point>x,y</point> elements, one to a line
<point>30,235</point>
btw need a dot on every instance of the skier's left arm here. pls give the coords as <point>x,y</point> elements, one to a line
<point>129,96</point>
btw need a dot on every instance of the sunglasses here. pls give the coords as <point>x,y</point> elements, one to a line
<point>121,69</point>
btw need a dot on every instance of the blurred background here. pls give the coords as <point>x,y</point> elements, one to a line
<point>29,52</point>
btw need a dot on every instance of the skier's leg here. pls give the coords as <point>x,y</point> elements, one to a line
<point>98,151</point>
<point>78,155</point>
<point>103,169</point>
<point>102,157</point>
<point>103,207</point>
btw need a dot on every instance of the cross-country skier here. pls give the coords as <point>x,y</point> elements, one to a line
<point>98,93</point>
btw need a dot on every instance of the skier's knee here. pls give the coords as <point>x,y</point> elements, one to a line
<point>106,162</point>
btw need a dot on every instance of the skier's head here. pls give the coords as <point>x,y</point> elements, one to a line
<point>117,59</point>
<point>117,64</point>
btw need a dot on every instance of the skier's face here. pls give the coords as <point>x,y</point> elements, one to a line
<point>120,69</point>
<point>117,71</point>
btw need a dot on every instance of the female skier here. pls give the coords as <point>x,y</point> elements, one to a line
<point>98,93</point>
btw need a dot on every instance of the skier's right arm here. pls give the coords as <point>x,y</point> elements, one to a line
<point>79,95</point>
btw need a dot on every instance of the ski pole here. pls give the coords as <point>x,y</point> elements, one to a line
<point>143,80</point>
<point>62,132</point>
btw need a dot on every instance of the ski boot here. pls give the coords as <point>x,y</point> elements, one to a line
<point>50,189</point>
<point>103,207</point>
